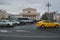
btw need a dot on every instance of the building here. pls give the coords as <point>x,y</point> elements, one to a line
<point>49,16</point>
<point>57,17</point>
<point>30,13</point>
<point>3,14</point>
<point>53,16</point>
<point>14,16</point>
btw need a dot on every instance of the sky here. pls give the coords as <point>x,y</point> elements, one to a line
<point>16,6</point>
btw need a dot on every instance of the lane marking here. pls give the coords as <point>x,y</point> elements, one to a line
<point>22,31</point>
<point>30,36</point>
<point>3,31</point>
<point>14,31</point>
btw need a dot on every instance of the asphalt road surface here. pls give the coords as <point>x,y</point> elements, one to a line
<point>29,32</point>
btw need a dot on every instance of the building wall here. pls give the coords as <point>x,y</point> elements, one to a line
<point>3,14</point>
<point>30,12</point>
<point>58,16</point>
<point>14,16</point>
<point>29,9</point>
<point>49,16</point>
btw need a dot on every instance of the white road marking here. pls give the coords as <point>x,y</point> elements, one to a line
<point>3,31</point>
<point>30,36</point>
<point>22,31</point>
<point>14,31</point>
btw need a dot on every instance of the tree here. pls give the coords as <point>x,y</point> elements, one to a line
<point>44,17</point>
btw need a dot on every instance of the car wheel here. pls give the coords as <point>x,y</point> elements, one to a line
<point>56,26</point>
<point>11,26</point>
<point>42,26</point>
<point>24,23</point>
<point>31,22</point>
<point>8,25</point>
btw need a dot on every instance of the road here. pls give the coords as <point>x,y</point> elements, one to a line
<point>29,32</point>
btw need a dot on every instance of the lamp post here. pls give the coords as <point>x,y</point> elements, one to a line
<point>48,5</point>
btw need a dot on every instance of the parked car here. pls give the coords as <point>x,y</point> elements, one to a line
<point>6,23</point>
<point>45,23</point>
<point>16,22</point>
<point>35,21</point>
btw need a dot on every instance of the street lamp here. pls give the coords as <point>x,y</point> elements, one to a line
<point>48,5</point>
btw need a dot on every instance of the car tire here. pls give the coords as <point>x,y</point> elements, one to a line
<point>42,26</point>
<point>56,26</point>
<point>24,23</point>
<point>11,26</point>
<point>8,25</point>
<point>30,22</point>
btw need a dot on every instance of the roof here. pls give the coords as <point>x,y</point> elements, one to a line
<point>29,8</point>
<point>2,11</point>
<point>29,14</point>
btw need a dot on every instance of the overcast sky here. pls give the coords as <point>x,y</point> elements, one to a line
<point>16,6</point>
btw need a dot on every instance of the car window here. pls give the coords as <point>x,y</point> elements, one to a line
<point>46,21</point>
<point>3,21</point>
<point>0,21</point>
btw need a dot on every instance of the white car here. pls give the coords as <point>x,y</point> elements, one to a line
<point>16,22</point>
<point>6,23</point>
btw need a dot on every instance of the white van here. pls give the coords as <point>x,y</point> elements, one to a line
<point>25,20</point>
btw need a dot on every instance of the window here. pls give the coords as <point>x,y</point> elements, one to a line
<point>28,11</point>
<point>46,21</point>
<point>23,19</point>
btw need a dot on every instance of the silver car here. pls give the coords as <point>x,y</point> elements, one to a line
<point>6,23</point>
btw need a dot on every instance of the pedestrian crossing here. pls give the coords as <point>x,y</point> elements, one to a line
<point>22,31</point>
<point>14,31</point>
<point>3,31</point>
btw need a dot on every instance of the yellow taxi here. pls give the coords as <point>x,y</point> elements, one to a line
<point>46,23</point>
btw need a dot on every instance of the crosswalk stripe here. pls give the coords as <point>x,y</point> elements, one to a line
<point>22,31</point>
<point>3,31</point>
<point>14,31</point>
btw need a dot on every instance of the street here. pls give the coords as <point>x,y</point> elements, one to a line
<point>29,32</point>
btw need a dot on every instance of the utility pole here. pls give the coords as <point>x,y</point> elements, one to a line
<point>48,5</point>
<point>48,10</point>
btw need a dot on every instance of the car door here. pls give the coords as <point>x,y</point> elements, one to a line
<point>50,24</point>
<point>47,23</point>
<point>2,22</point>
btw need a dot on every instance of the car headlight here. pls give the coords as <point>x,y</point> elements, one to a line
<point>11,23</point>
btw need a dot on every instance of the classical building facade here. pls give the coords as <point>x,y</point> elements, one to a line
<point>31,13</point>
<point>57,16</point>
<point>3,14</point>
